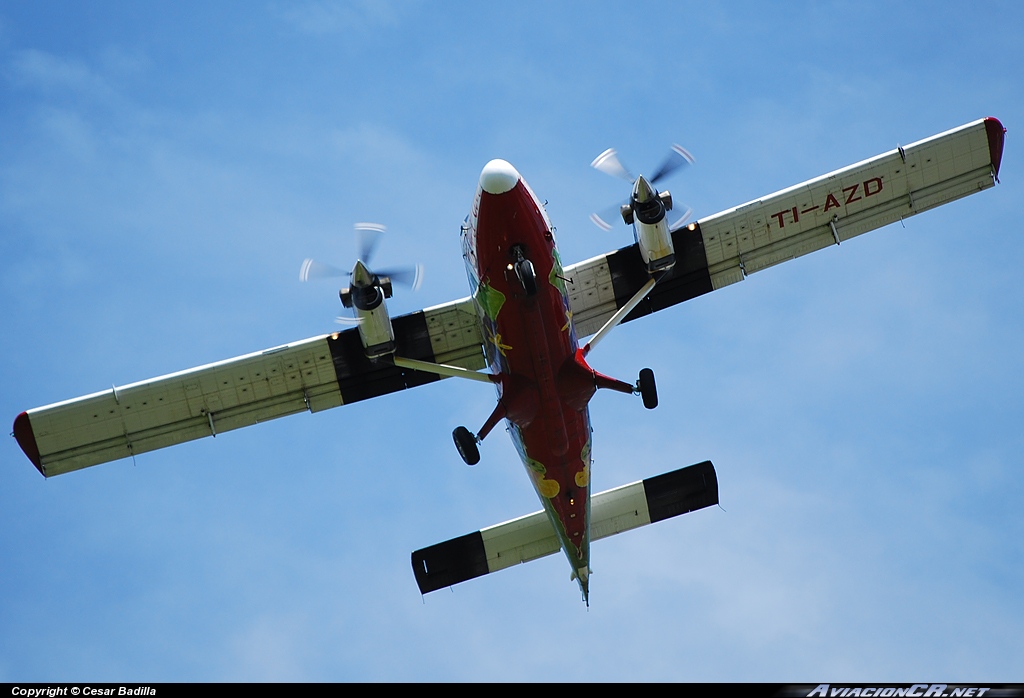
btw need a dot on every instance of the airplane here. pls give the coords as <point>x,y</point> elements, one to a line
<point>523,321</point>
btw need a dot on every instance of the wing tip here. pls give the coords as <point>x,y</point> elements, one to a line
<point>446,564</point>
<point>995,131</point>
<point>681,491</point>
<point>27,440</point>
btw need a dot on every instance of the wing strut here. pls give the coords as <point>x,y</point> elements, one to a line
<point>645,386</point>
<point>446,370</point>
<point>622,312</point>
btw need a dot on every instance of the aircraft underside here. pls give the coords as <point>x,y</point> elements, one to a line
<point>521,321</point>
<point>531,344</point>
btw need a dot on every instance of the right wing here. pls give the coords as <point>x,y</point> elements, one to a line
<point>310,375</point>
<point>724,248</point>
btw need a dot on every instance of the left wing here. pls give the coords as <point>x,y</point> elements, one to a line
<point>531,537</point>
<point>724,248</point>
<point>312,375</point>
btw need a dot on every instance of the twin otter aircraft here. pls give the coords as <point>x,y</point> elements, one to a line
<point>523,321</point>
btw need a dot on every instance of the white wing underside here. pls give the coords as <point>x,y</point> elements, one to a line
<point>763,232</point>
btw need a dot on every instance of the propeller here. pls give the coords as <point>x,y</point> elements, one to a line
<point>681,221</point>
<point>367,236</point>
<point>608,162</point>
<point>678,157</point>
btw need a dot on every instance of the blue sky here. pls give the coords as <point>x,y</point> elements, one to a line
<point>165,169</point>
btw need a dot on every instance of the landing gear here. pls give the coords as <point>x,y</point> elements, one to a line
<point>648,390</point>
<point>527,276</point>
<point>468,443</point>
<point>524,270</point>
<point>465,442</point>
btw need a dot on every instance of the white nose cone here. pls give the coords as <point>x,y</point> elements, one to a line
<point>498,177</point>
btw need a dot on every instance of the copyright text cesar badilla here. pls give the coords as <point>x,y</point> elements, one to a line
<point>54,691</point>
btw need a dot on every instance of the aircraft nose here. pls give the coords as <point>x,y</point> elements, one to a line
<point>498,177</point>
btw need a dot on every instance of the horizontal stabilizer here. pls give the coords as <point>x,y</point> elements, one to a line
<point>532,536</point>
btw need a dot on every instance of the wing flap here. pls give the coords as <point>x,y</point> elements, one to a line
<point>531,537</point>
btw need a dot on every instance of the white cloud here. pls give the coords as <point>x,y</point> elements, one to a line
<point>52,74</point>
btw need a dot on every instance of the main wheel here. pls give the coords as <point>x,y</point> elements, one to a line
<point>527,275</point>
<point>465,442</point>
<point>648,390</point>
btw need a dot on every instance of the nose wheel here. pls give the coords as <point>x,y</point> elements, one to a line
<point>524,270</point>
<point>527,276</point>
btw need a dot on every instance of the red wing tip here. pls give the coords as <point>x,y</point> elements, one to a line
<point>27,440</point>
<point>995,131</point>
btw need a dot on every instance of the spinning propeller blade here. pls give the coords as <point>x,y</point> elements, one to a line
<point>406,276</point>
<point>681,221</point>
<point>367,237</point>
<point>678,157</point>
<point>312,269</point>
<point>608,217</point>
<point>608,162</point>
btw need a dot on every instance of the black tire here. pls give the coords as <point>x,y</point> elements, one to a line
<point>527,275</point>
<point>648,390</point>
<point>465,442</point>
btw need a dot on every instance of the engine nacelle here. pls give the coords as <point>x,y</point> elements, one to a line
<point>366,296</point>
<point>647,208</point>
<point>656,247</point>
<point>375,331</point>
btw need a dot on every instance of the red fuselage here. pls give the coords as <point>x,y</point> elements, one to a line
<point>531,345</point>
